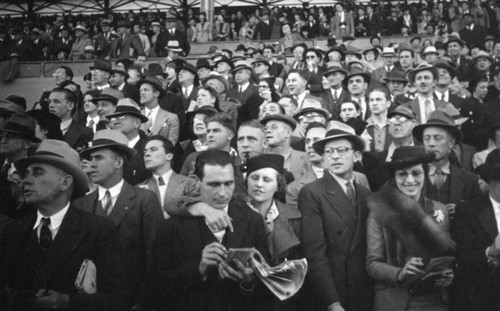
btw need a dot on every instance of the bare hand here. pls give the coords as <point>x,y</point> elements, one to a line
<point>411,269</point>
<point>50,299</point>
<point>451,209</point>
<point>495,248</point>
<point>240,274</point>
<point>213,254</point>
<point>217,220</point>
<point>445,279</point>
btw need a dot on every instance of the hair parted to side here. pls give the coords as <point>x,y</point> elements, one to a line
<point>211,157</point>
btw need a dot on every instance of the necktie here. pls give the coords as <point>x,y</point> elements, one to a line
<point>351,194</point>
<point>186,94</point>
<point>438,178</point>
<point>335,97</point>
<point>91,124</point>
<point>109,203</point>
<point>161,182</point>
<point>240,89</point>
<point>442,96</point>
<point>45,234</point>
<point>171,32</point>
<point>149,123</point>
<point>428,110</point>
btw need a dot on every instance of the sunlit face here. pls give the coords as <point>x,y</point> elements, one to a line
<point>60,76</point>
<point>295,84</point>
<point>105,108</point>
<point>335,79</point>
<point>453,48</point>
<point>155,156</point>
<point>277,132</point>
<point>100,76</point>
<point>481,90</point>
<point>334,56</point>
<point>286,103</point>
<point>126,124</point>
<point>438,141</point>
<point>378,103</point>
<point>313,135</point>
<point>357,85</point>
<point>89,107</point>
<point>298,52</point>
<point>369,56</point>
<point>59,105</point>
<point>242,76</point>
<point>222,67</point>
<point>251,141</point>
<point>262,184</point>
<point>217,185</point>
<point>483,63</point>
<point>268,109</point>
<point>204,98</point>
<point>348,111</point>
<point>410,181</point>
<point>405,59</point>
<point>133,76</point>
<point>424,82</point>
<point>116,79</point>
<point>148,93</point>
<point>218,136</point>
<point>199,126</point>
<point>339,164</point>
<point>401,127</point>
<point>42,183</point>
<point>105,165</point>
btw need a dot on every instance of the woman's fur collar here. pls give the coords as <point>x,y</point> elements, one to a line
<point>417,230</point>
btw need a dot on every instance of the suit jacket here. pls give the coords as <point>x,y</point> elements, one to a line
<point>250,102</point>
<point>414,106</point>
<point>333,241</point>
<point>467,154</point>
<point>474,36</point>
<point>178,186</point>
<point>132,92</point>
<point>332,105</point>
<point>263,30</point>
<point>135,171</point>
<point>165,36</point>
<point>174,277</point>
<point>129,46</point>
<point>173,103</point>
<point>105,45</point>
<point>222,31</point>
<point>335,25</point>
<point>187,101</point>
<point>78,49</point>
<point>297,163</point>
<point>275,69</point>
<point>166,124</point>
<point>78,136</point>
<point>58,45</point>
<point>474,229</point>
<point>136,215</point>
<point>375,25</point>
<point>24,48</point>
<point>81,236</point>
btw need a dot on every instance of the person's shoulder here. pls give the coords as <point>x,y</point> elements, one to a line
<point>469,176</point>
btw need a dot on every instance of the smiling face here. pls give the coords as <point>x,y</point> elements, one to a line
<point>410,181</point>
<point>295,84</point>
<point>425,82</point>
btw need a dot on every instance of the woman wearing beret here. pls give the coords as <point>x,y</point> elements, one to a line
<point>404,231</point>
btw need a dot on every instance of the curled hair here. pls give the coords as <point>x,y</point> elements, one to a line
<point>223,119</point>
<point>383,90</point>
<point>281,185</point>
<point>167,145</point>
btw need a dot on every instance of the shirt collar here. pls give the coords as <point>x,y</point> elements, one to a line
<point>133,141</point>
<point>114,191</point>
<point>155,109</point>
<point>55,220</point>
<point>342,182</point>
<point>166,176</point>
<point>445,168</point>
<point>496,206</point>
<point>95,119</point>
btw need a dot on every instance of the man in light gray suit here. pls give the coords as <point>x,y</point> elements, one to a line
<point>161,122</point>
<point>158,154</point>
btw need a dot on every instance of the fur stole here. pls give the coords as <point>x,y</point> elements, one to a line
<point>417,230</point>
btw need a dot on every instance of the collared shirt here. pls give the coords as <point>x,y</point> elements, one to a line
<point>12,168</point>
<point>362,105</point>
<point>318,171</point>
<point>154,112</point>
<point>421,104</point>
<point>55,221</point>
<point>187,90</point>
<point>105,86</point>
<point>219,235</point>
<point>244,87</point>
<point>163,188</point>
<point>300,99</point>
<point>379,134</point>
<point>133,141</point>
<point>65,125</point>
<point>390,151</point>
<point>342,182</point>
<point>95,119</point>
<point>113,191</point>
<point>120,87</point>
<point>432,171</point>
<point>336,93</point>
<point>287,165</point>
<point>442,96</point>
<point>496,211</point>
<point>271,215</point>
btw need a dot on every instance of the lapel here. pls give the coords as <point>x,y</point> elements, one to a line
<point>72,133</point>
<point>124,204</point>
<point>337,198</point>
<point>90,204</point>
<point>359,234</point>
<point>413,105</point>
<point>66,241</point>
<point>161,118</point>
<point>151,184</point>
<point>234,239</point>
<point>194,234</point>
<point>283,236</point>
<point>456,183</point>
<point>487,218</point>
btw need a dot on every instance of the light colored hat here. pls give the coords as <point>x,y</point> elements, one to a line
<point>127,106</point>
<point>174,46</point>
<point>80,27</point>
<point>339,130</point>
<point>388,51</point>
<point>111,139</point>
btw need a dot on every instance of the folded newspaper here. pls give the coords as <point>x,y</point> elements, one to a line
<point>284,280</point>
<point>86,282</point>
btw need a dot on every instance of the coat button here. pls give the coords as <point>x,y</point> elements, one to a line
<point>126,207</point>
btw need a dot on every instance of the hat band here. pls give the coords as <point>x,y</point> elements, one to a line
<point>126,109</point>
<point>48,153</point>
<point>438,122</point>
<point>110,98</point>
<point>105,141</point>
<point>334,132</point>
<point>21,129</point>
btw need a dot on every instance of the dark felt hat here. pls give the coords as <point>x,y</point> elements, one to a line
<point>402,110</point>
<point>395,75</point>
<point>444,64</point>
<point>206,110</point>
<point>438,119</point>
<point>127,106</point>
<point>22,125</point>
<point>110,95</point>
<point>279,117</point>
<point>408,156</point>
<point>155,82</point>
<point>492,166</point>
<point>203,63</point>
<point>357,72</point>
<point>275,161</point>
<point>423,67</point>
<point>102,64</point>
<point>155,69</point>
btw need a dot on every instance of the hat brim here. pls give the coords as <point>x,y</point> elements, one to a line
<point>341,70</point>
<point>118,71</point>
<point>155,85</point>
<point>105,98</point>
<point>324,112</point>
<point>278,117</point>
<point>419,130</point>
<point>235,69</point>
<point>387,79</point>
<point>402,164</point>
<point>411,74</point>
<point>140,116</point>
<point>178,50</point>
<point>220,78</point>
<point>358,143</point>
<point>22,134</point>
<point>125,150</point>
<point>365,75</point>
<point>81,183</point>
<point>101,68</point>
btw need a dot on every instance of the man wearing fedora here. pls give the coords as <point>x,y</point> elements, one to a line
<point>7,109</point>
<point>101,71</point>
<point>472,33</point>
<point>334,214</point>
<point>454,48</point>
<point>160,122</point>
<point>127,119</point>
<point>106,104</point>
<point>442,92</point>
<point>128,45</point>
<point>395,81</point>
<point>336,94</point>
<point>357,82</point>
<point>188,78</point>
<point>245,92</point>
<point>388,56</point>
<point>105,41</point>
<point>81,41</point>
<point>169,186</point>
<point>43,253</point>
<point>135,212</point>
<point>446,182</point>
<point>171,33</point>
<point>424,78</point>
<point>118,81</point>
<point>476,231</point>
<point>63,103</point>
<point>17,138</point>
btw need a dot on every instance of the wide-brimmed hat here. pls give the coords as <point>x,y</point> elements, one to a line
<point>240,66</point>
<point>261,60</point>
<point>102,64</point>
<point>357,72</point>
<point>21,125</point>
<point>106,22</point>
<point>353,51</point>
<point>402,110</point>
<point>127,106</point>
<point>450,110</point>
<point>372,49</point>
<point>337,49</point>
<point>440,119</point>
<point>483,54</point>
<point>111,139</point>
<point>59,154</point>
<point>429,50</point>
<point>155,82</point>
<point>155,23</point>
<point>8,108</point>
<point>339,130</point>
<point>395,75</point>
<point>119,69</point>
<point>206,110</point>
<point>423,67</point>
<point>171,16</point>
<point>226,60</point>
<point>332,69</point>
<point>217,76</point>
<point>279,117</point>
<point>81,28</point>
<point>408,156</point>
<point>453,39</point>
<point>444,64</point>
<point>155,69</point>
<point>110,95</point>
<point>275,161</point>
<point>388,51</point>
<point>174,46</point>
<point>192,69</point>
<point>203,63</point>
<point>311,106</point>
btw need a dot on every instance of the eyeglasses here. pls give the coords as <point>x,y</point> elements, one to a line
<point>310,56</point>
<point>404,174</point>
<point>257,65</point>
<point>342,151</point>
<point>398,119</point>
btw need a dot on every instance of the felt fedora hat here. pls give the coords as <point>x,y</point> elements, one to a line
<point>110,95</point>
<point>8,108</point>
<point>423,67</point>
<point>153,81</point>
<point>111,139</point>
<point>355,71</point>
<point>21,125</point>
<point>127,106</point>
<point>339,130</point>
<point>438,119</point>
<point>395,75</point>
<point>279,117</point>
<point>101,64</point>
<point>408,156</point>
<point>59,154</point>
